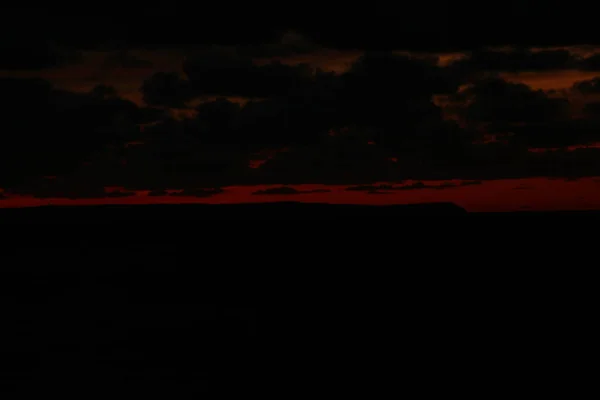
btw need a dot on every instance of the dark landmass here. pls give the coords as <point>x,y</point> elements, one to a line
<point>147,315</point>
<point>187,212</point>
<point>73,337</point>
<point>252,211</point>
<point>143,331</point>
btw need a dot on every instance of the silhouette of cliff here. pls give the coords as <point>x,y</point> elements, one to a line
<point>186,212</point>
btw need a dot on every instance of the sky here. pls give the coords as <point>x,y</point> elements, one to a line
<point>171,104</point>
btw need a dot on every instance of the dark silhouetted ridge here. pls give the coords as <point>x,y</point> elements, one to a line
<point>283,210</point>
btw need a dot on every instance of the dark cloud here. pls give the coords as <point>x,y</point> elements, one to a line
<point>390,106</point>
<point>125,59</point>
<point>591,63</point>
<point>218,71</point>
<point>366,124</point>
<point>345,158</point>
<point>390,96</point>
<point>149,115</point>
<point>523,164</point>
<point>216,121</point>
<point>169,156</point>
<point>529,117</point>
<point>49,132</point>
<point>592,110</point>
<point>298,118</point>
<point>494,100</point>
<point>224,71</point>
<point>166,89</point>
<point>517,60</point>
<point>387,97</point>
<point>576,163</point>
<point>375,122</point>
<point>104,91</point>
<point>301,117</point>
<point>590,86</point>
<point>362,128</point>
<point>276,123</point>
<point>554,134</point>
<point>417,75</point>
<point>60,188</point>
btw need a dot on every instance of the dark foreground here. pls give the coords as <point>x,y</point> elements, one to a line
<point>256,211</point>
<point>286,310</point>
<point>159,334</point>
<point>186,212</point>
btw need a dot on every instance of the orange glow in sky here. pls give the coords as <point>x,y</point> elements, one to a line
<point>494,195</point>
